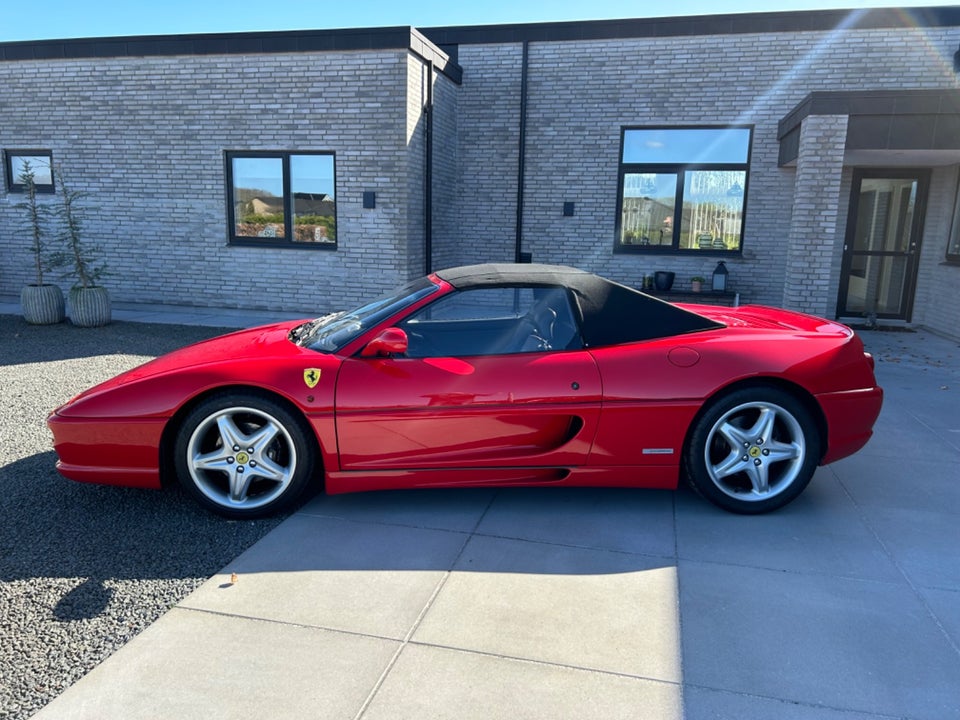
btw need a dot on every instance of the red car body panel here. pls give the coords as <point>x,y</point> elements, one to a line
<point>615,416</point>
<point>533,409</point>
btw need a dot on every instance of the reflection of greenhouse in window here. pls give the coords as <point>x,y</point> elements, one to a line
<point>712,210</point>
<point>648,208</point>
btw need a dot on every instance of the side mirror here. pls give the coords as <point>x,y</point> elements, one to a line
<point>392,341</point>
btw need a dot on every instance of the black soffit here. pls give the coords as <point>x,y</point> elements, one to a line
<point>880,120</point>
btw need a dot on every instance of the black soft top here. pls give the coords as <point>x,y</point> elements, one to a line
<point>611,313</point>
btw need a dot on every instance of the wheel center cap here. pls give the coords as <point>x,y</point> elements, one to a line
<point>754,452</point>
<point>242,458</point>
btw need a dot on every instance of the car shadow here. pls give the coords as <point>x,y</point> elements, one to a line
<point>55,528</point>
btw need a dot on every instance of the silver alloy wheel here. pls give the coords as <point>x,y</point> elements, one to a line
<point>241,458</point>
<point>755,451</point>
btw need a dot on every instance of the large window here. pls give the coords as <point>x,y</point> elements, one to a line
<point>37,162</point>
<point>683,189</point>
<point>282,199</point>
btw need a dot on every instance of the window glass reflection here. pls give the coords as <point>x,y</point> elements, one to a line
<point>258,197</point>
<point>688,146</point>
<point>712,210</point>
<point>314,205</point>
<point>649,201</point>
<point>39,165</point>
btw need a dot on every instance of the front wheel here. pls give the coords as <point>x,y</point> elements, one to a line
<point>753,451</point>
<point>243,455</point>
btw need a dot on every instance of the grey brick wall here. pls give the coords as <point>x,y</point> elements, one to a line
<point>488,137</point>
<point>146,137</point>
<point>581,93</point>
<point>936,305</point>
<point>815,240</point>
<point>416,168</point>
<point>446,120</point>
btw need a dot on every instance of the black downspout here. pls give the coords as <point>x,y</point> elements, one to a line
<point>428,175</point>
<point>519,255</point>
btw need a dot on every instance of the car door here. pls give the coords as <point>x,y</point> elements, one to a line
<point>480,386</point>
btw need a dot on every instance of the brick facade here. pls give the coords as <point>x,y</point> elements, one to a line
<point>815,241</point>
<point>146,136</point>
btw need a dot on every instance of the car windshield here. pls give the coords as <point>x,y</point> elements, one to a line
<point>332,332</point>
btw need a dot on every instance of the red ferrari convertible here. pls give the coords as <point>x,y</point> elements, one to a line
<point>487,375</point>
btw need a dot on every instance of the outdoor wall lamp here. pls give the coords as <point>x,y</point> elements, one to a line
<point>720,277</point>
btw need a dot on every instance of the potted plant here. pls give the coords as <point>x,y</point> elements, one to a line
<point>40,302</point>
<point>696,283</point>
<point>89,301</point>
<point>663,280</point>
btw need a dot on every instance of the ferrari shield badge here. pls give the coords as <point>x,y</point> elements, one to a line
<point>311,376</point>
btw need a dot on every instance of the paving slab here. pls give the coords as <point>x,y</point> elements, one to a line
<point>923,543</point>
<point>450,509</point>
<point>900,436</point>
<point>599,610</point>
<point>603,519</point>
<point>704,704</point>
<point>200,665</point>
<point>444,684</point>
<point>338,574</point>
<point>817,640</point>
<point>875,483</point>
<point>820,532</point>
<point>945,605</point>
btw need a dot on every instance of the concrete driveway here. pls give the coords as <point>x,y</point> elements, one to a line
<point>554,603</point>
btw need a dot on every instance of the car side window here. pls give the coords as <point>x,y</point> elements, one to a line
<point>494,321</point>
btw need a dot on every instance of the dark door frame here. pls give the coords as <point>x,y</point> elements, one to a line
<point>922,176</point>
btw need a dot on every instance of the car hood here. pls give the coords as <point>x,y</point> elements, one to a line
<point>259,342</point>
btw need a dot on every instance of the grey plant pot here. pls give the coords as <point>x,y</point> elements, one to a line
<point>42,304</point>
<point>90,307</point>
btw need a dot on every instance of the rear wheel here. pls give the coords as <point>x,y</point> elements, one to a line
<point>753,451</point>
<point>244,455</point>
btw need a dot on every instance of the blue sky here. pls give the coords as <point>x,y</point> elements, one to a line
<point>48,19</point>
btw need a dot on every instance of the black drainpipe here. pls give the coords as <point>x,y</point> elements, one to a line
<point>428,175</point>
<point>519,255</point>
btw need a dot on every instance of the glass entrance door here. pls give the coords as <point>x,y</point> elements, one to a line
<point>882,244</point>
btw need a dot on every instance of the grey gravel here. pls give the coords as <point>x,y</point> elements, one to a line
<point>85,568</point>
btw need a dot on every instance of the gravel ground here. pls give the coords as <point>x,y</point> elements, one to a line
<point>84,568</point>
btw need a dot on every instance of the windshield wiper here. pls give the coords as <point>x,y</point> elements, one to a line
<point>302,334</point>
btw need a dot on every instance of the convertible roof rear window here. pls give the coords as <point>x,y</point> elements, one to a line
<point>612,314</point>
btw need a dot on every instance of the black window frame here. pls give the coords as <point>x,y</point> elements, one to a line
<point>18,187</point>
<point>287,241</point>
<point>680,170</point>
<point>953,239</point>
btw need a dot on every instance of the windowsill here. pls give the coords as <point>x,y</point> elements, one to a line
<point>951,261</point>
<point>282,245</point>
<point>620,249</point>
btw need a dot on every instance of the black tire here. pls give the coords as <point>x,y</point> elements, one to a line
<point>753,450</point>
<point>244,455</point>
